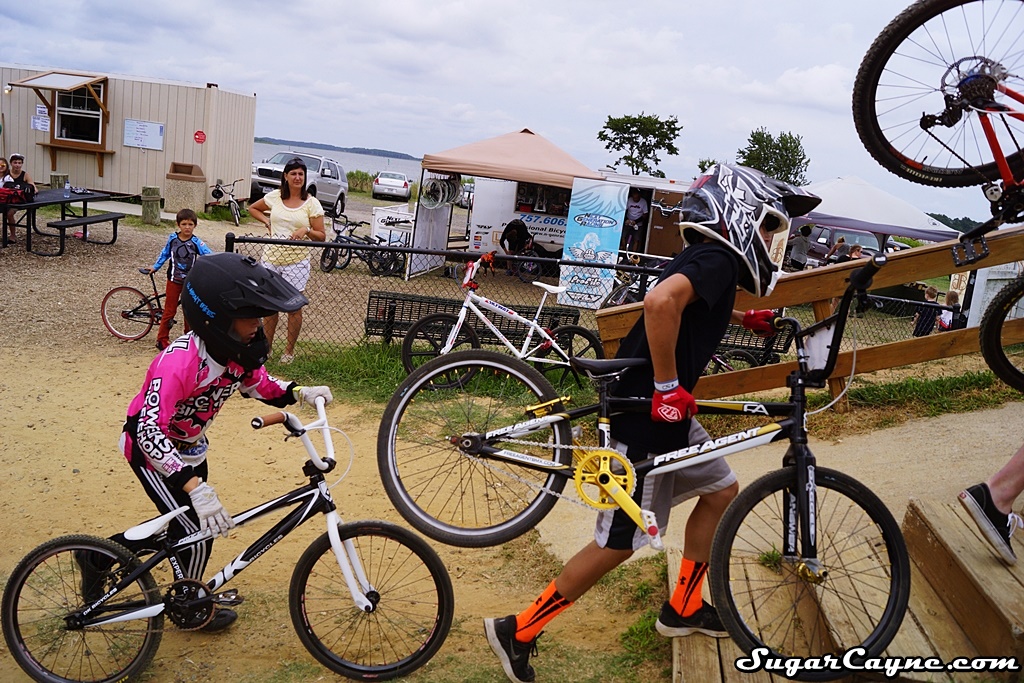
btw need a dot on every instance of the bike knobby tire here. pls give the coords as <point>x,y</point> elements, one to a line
<point>409,586</point>
<point>442,491</point>
<point>48,585</point>
<point>1002,334</point>
<point>766,600</point>
<point>128,313</point>
<point>933,50</point>
<point>428,335</point>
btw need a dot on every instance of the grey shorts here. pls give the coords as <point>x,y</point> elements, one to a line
<point>660,493</point>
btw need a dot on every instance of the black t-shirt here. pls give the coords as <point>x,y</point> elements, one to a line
<point>515,236</point>
<point>712,269</point>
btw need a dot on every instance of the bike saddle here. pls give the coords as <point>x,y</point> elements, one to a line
<point>601,367</point>
<point>551,289</point>
<point>153,526</point>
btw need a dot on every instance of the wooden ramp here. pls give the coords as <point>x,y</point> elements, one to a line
<point>964,603</point>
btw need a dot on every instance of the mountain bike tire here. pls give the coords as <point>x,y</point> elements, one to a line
<point>46,587</point>
<point>413,603</point>
<point>763,598</point>
<point>1002,334</point>
<point>578,342</point>
<point>428,335</point>
<point>128,313</point>
<point>439,489</point>
<point>901,77</point>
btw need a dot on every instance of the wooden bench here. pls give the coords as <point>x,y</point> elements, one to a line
<point>81,221</point>
<point>391,314</point>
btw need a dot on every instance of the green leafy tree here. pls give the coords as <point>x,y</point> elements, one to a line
<point>781,157</point>
<point>706,163</point>
<point>963,224</point>
<point>640,139</point>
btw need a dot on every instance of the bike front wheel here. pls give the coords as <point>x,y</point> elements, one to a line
<point>770,597</point>
<point>455,497</point>
<point>381,262</point>
<point>411,592</point>
<point>236,215</point>
<point>923,82</point>
<point>49,586</point>
<point>428,335</point>
<point>128,313</point>
<point>1002,334</point>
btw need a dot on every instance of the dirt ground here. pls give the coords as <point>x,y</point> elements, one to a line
<point>64,386</point>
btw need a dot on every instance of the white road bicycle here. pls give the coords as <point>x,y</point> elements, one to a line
<point>369,600</point>
<point>549,351</point>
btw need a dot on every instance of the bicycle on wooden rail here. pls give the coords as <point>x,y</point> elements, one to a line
<point>806,561</point>
<point>958,62</point>
<point>549,350</point>
<point>369,600</point>
<point>345,244</point>
<point>129,314</point>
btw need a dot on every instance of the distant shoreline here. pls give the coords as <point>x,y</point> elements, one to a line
<point>350,150</point>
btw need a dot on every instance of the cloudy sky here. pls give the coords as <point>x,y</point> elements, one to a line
<point>423,77</point>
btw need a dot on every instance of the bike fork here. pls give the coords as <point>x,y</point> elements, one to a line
<point>801,514</point>
<point>348,562</point>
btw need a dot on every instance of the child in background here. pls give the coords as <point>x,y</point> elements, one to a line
<point>182,249</point>
<point>947,321</point>
<point>925,315</point>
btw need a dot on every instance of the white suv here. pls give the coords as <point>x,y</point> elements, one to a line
<point>325,179</point>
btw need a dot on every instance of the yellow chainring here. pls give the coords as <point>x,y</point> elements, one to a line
<point>594,465</point>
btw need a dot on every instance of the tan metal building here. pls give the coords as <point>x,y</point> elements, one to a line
<point>119,133</point>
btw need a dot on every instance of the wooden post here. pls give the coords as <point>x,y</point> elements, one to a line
<point>151,205</point>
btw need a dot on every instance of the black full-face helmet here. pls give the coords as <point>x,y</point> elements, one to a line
<point>733,204</point>
<point>223,287</point>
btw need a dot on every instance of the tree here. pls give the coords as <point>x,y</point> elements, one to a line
<point>705,163</point>
<point>641,138</point>
<point>780,157</point>
<point>963,224</point>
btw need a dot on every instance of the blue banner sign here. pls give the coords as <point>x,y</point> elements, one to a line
<point>592,232</point>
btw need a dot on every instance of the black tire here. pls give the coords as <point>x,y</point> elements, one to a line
<point>760,592</point>
<point>380,262</point>
<point>901,78</point>
<point>411,589</point>
<point>578,342</point>
<point>443,492</point>
<point>328,259</point>
<point>46,587</point>
<point>428,335</point>
<point>621,295</point>
<point>255,193</point>
<point>339,205</point>
<point>736,359</point>
<point>1002,334</point>
<point>128,313</point>
<point>528,270</point>
<point>398,264</point>
<point>236,216</point>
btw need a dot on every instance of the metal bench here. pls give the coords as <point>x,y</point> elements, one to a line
<point>391,314</point>
<point>81,221</point>
<point>766,350</point>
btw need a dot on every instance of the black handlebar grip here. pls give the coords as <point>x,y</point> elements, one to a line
<point>860,279</point>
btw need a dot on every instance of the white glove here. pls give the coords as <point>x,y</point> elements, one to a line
<point>212,514</point>
<point>310,394</point>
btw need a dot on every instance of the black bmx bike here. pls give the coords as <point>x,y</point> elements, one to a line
<point>129,314</point>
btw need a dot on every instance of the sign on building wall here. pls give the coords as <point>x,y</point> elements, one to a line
<point>144,134</point>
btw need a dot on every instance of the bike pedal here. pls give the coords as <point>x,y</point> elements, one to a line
<point>228,598</point>
<point>652,530</point>
<point>966,253</point>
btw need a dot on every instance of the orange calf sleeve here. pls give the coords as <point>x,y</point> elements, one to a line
<point>531,620</point>
<point>686,598</point>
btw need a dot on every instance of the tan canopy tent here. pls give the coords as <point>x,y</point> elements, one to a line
<point>524,157</point>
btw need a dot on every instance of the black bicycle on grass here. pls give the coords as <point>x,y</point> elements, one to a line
<point>369,600</point>
<point>939,100</point>
<point>379,261</point>
<point>129,314</point>
<point>806,561</point>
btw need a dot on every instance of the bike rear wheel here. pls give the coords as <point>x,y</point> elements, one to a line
<point>733,359</point>
<point>931,59</point>
<point>428,335</point>
<point>443,492</point>
<point>47,587</point>
<point>1002,334</point>
<point>766,599</point>
<point>529,270</point>
<point>128,313</point>
<point>409,586</point>
<point>381,262</point>
<point>578,342</point>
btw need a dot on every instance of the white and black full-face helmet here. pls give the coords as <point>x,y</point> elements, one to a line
<point>223,287</point>
<point>733,204</point>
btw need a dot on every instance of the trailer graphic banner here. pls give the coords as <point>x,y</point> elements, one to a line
<point>592,232</point>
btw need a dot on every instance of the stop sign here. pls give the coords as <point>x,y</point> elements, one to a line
<point>199,137</point>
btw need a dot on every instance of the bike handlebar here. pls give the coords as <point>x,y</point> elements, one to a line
<point>295,427</point>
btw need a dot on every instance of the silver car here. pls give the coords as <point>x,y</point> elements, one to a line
<point>325,179</point>
<point>388,184</point>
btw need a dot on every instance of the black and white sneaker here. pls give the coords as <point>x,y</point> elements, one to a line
<point>514,656</point>
<point>994,525</point>
<point>705,620</point>
<point>94,570</point>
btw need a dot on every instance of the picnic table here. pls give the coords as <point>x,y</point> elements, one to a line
<point>55,197</point>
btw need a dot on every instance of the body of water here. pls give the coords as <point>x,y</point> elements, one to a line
<point>350,162</point>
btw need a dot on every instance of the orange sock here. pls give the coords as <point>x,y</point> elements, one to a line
<point>531,620</point>
<point>686,598</point>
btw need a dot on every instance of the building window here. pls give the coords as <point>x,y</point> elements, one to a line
<point>79,116</point>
